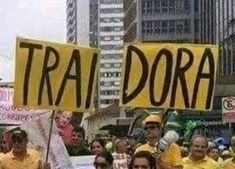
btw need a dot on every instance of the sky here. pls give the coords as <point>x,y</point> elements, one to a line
<point>37,19</point>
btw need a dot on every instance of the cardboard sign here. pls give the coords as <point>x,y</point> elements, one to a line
<point>54,76</point>
<point>14,115</point>
<point>178,76</point>
<point>119,161</point>
<point>38,134</point>
<point>228,109</point>
<point>83,162</point>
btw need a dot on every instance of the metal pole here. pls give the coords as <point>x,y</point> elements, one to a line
<point>223,55</point>
<point>230,129</point>
<point>232,41</point>
<point>50,132</point>
<point>228,39</point>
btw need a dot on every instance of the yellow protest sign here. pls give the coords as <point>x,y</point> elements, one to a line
<point>179,76</point>
<point>55,76</point>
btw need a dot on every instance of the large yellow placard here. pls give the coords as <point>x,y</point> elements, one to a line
<point>55,76</point>
<point>178,76</point>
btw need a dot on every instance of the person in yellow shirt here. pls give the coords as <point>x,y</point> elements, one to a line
<point>213,152</point>
<point>21,157</point>
<point>230,163</point>
<point>198,158</point>
<point>171,157</point>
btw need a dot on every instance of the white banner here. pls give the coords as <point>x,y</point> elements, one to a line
<point>228,109</point>
<point>38,133</point>
<point>119,161</point>
<point>83,162</point>
<point>14,115</point>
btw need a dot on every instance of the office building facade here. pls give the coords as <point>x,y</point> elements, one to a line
<point>226,38</point>
<point>71,21</point>
<point>110,41</point>
<point>183,21</point>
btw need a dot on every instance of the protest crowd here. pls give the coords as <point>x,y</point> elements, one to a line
<point>53,80</point>
<point>158,150</point>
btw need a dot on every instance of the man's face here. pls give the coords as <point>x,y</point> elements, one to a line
<point>214,154</point>
<point>199,148</point>
<point>233,143</point>
<point>77,139</point>
<point>19,144</point>
<point>153,130</point>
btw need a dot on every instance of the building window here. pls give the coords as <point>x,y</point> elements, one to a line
<point>117,83</point>
<point>149,29</point>
<point>107,38</point>
<point>117,65</point>
<point>179,6</point>
<point>224,62</point>
<point>106,101</point>
<point>196,6</point>
<point>107,65</point>
<point>144,7</point>
<point>117,20</point>
<point>144,27</point>
<point>172,7</point>
<point>196,25</point>
<point>115,92</point>
<point>172,26</point>
<point>106,20</point>
<point>116,56</point>
<point>117,38</point>
<point>107,29</point>
<point>164,26</point>
<point>229,62</point>
<point>179,27</point>
<point>187,26</point>
<point>111,1</point>
<point>107,84</point>
<point>157,28</point>
<point>149,7</point>
<point>116,29</point>
<point>233,64</point>
<point>117,74</point>
<point>164,6</point>
<point>156,6</point>
<point>187,5</point>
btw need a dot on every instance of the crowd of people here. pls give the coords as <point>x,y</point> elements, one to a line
<point>124,153</point>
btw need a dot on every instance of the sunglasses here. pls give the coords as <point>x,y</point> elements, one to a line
<point>151,127</point>
<point>102,165</point>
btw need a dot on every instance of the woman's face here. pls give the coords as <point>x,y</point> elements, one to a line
<point>64,119</point>
<point>96,148</point>
<point>141,163</point>
<point>101,163</point>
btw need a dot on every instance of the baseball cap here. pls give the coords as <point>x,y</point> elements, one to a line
<point>226,153</point>
<point>152,118</point>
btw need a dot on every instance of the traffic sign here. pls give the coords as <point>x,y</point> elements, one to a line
<point>228,109</point>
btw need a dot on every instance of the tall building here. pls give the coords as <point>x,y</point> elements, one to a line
<point>71,21</point>
<point>93,22</point>
<point>189,21</point>
<point>78,22</point>
<point>99,23</point>
<point>226,39</point>
<point>110,41</point>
